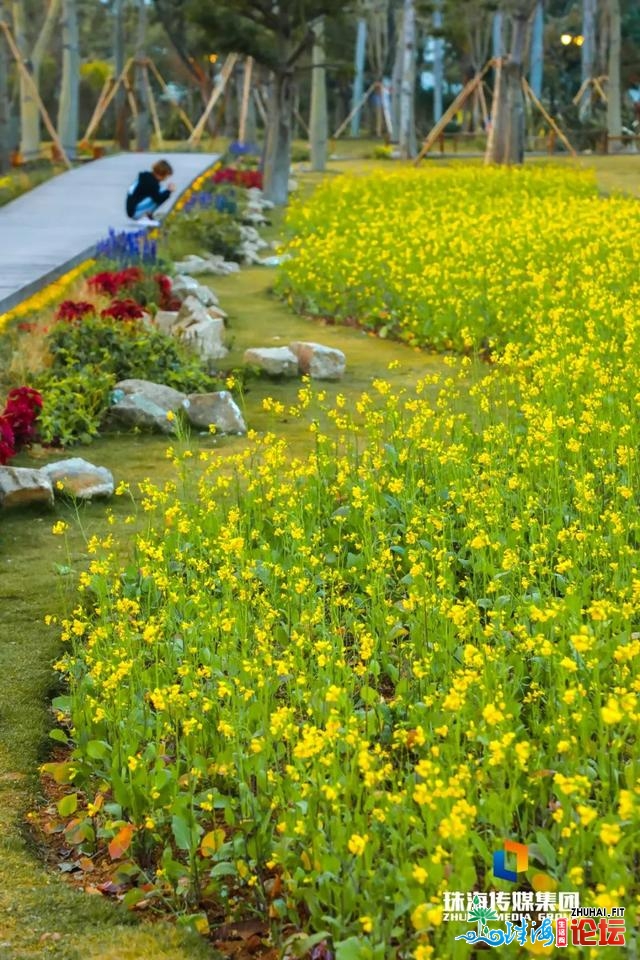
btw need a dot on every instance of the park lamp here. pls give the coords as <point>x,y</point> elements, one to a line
<point>566,39</point>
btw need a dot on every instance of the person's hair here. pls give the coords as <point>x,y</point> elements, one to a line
<point>162,169</point>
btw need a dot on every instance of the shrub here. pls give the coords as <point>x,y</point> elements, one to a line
<point>300,153</point>
<point>125,350</point>
<point>206,229</point>
<point>75,403</point>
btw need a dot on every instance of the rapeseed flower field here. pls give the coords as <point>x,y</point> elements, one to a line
<point>333,685</point>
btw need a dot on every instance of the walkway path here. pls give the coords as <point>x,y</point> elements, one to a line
<point>55,226</point>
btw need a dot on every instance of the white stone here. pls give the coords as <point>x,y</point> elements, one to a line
<point>254,217</point>
<point>165,320</point>
<point>79,478</point>
<point>192,265</point>
<point>201,330</point>
<point>276,361</point>
<point>219,409</point>
<point>318,361</point>
<point>206,338</point>
<point>141,403</point>
<point>21,487</point>
<point>191,311</point>
<point>184,286</point>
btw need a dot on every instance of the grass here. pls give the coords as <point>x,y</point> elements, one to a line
<point>34,902</point>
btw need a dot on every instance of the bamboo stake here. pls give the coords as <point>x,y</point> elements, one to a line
<point>303,123</point>
<point>152,106</point>
<point>494,104</point>
<point>552,123</point>
<point>583,86</point>
<point>260,106</point>
<point>107,101</point>
<point>229,64</point>
<point>34,93</point>
<point>600,89</point>
<point>483,105</point>
<point>246,93</point>
<point>449,113</point>
<point>183,116</point>
<point>103,94</point>
<point>133,106</point>
<point>357,107</point>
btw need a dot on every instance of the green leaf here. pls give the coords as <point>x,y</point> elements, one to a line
<point>97,749</point>
<point>68,805</point>
<point>223,869</point>
<point>183,833</point>
<point>299,945</point>
<point>353,949</point>
<point>58,735</point>
<point>133,897</point>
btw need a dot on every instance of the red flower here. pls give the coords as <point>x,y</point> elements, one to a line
<point>7,440</point>
<point>111,282</point>
<point>167,302</point>
<point>17,421</point>
<point>74,309</point>
<point>123,310</point>
<point>239,178</point>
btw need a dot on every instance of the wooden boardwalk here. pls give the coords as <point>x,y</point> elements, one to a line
<point>52,228</point>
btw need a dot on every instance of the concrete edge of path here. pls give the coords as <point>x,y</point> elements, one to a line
<point>10,302</point>
<point>30,289</point>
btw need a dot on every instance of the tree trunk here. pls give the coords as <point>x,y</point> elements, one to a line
<point>407,99</point>
<point>278,143</point>
<point>358,82</point>
<point>497,35</point>
<point>4,99</point>
<point>143,125</point>
<point>537,50</point>
<point>396,76</point>
<point>120,100</point>
<point>614,104</point>
<point>588,55</point>
<point>318,126</point>
<point>438,62</point>
<point>69,87</point>
<point>29,111</point>
<point>506,144</point>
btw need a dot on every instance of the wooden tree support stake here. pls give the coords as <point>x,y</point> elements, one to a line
<point>359,105</point>
<point>183,116</point>
<point>246,94</point>
<point>301,120</point>
<point>450,112</point>
<point>261,107</point>
<point>133,105</point>
<point>98,115</point>
<point>218,90</point>
<point>552,123</point>
<point>106,87</point>
<point>495,100</point>
<point>34,93</point>
<point>152,106</point>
